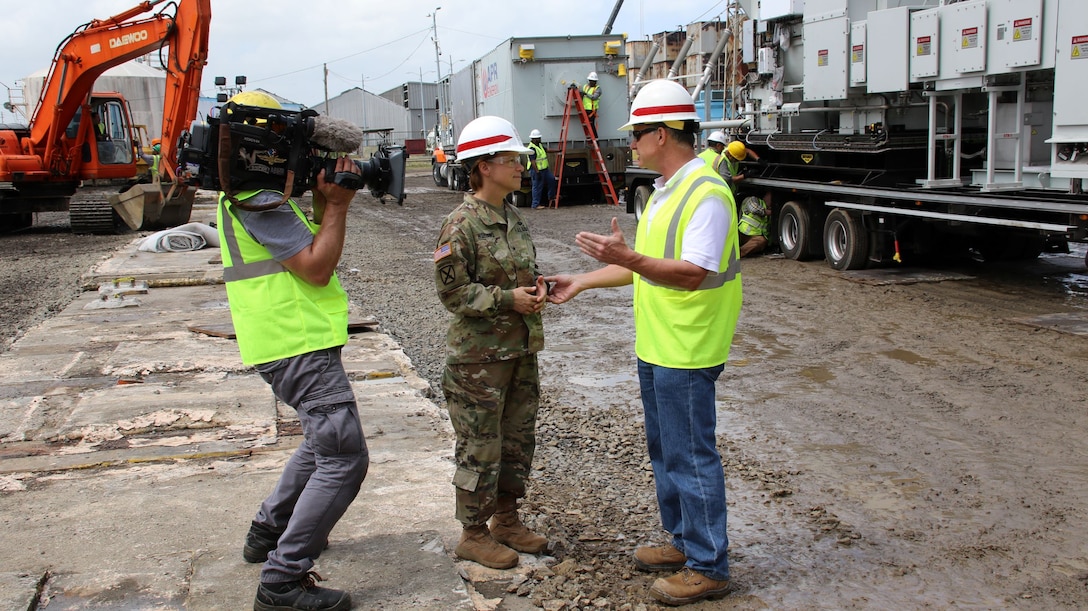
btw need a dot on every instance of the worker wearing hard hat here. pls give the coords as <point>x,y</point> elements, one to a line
<point>485,273</point>
<point>715,144</point>
<point>685,270</point>
<point>591,100</point>
<point>540,172</point>
<point>755,212</point>
<point>754,226</point>
<point>728,164</point>
<point>290,317</point>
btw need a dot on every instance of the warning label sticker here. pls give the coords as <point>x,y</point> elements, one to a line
<point>857,54</point>
<point>821,57</point>
<point>1080,47</point>
<point>970,38</point>
<point>1021,29</point>
<point>924,45</point>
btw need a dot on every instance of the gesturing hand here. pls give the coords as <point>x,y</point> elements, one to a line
<point>609,249</point>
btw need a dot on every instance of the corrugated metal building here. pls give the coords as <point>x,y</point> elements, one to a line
<point>371,112</point>
<point>419,101</point>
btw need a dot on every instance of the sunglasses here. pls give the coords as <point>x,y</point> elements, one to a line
<point>638,133</point>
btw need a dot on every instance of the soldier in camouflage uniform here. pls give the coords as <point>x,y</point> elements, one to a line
<point>486,275</point>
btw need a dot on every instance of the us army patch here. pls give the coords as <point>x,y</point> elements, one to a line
<point>447,274</point>
<point>442,252</point>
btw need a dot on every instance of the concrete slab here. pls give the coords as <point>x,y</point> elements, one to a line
<point>134,452</point>
<point>19,590</point>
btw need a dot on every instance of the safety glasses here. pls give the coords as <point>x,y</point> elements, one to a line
<point>521,160</point>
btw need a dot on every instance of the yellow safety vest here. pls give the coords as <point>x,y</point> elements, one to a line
<point>587,102</point>
<point>678,328</point>
<point>732,165</point>
<point>276,314</point>
<point>750,222</point>
<point>709,156</point>
<point>541,160</point>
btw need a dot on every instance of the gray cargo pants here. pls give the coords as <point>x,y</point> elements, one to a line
<point>325,473</point>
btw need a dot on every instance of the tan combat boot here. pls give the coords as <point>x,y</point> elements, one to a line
<point>477,545</point>
<point>507,529</point>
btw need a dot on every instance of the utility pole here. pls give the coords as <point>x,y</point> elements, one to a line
<point>438,72</point>
<point>362,82</point>
<point>325,70</point>
<point>422,106</point>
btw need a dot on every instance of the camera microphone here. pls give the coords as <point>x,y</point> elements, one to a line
<point>336,135</point>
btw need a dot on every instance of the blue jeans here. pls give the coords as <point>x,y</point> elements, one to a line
<point>541,179</point>
<point>678,406</point>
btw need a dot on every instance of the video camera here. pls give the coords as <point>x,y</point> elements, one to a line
<point>250,147</point>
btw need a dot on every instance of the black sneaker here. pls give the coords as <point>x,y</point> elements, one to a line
<point>259,542</point>
<point>303,596</point>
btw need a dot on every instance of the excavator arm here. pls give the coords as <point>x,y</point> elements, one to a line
<point>181,37</point>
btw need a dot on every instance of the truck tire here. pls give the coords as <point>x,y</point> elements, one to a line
<point>642,200</point>
<point>436,173</point>
<point>846,243</point>
<point>799,236</point>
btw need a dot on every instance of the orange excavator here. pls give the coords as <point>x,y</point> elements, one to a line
<point>77,134</point>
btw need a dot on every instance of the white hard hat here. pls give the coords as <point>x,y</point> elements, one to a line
<point>535,134</point>
<point>718,136</point>
<point>592,76</point>
<point>488,135</point>
<point>661,101</point>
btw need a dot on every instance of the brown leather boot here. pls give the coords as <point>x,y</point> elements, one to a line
<point>507,529</point>
<point>660,558</point>
<point>477,545</point>
<point>687,586</point>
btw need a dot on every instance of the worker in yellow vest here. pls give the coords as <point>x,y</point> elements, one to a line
<point>685,268</point>
<point>591,100</point>
<point>290,316</point>
<point>715,144</point>
<point>754,227</point>
<point>540,172</point>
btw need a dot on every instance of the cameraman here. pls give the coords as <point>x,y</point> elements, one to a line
<point>290,316</point>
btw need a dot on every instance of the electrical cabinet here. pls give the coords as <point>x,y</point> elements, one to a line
<point>890,58</point>
<point>925,37</point>
<point>1016,34</point>
<point>857,53</point>
<point>825,60</point>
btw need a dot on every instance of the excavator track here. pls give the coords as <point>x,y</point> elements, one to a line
<point>93,215</point>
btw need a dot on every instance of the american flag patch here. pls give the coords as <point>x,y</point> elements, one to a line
<point>442,252</point>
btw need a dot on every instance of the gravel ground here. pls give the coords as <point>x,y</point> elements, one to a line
<point>908,445</point>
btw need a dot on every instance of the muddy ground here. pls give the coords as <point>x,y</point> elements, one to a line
<point>886,445</point>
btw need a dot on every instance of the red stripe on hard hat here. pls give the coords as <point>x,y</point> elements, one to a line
<point>471,144</point>
<point>661,110</point>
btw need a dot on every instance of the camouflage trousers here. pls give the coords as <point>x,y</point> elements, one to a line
<point>493,411</point>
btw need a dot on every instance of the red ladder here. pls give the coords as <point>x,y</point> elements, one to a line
<point>574,100</point>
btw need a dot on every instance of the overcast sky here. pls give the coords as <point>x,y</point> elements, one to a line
<point>280,45</point>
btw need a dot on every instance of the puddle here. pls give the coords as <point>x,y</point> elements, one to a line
<point>907,357</point>
<point>818,374</point>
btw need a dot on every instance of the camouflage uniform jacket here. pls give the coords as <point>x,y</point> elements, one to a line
<point>483,254</point>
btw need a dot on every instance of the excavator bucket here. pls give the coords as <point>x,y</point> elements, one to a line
<point>154,206</point>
